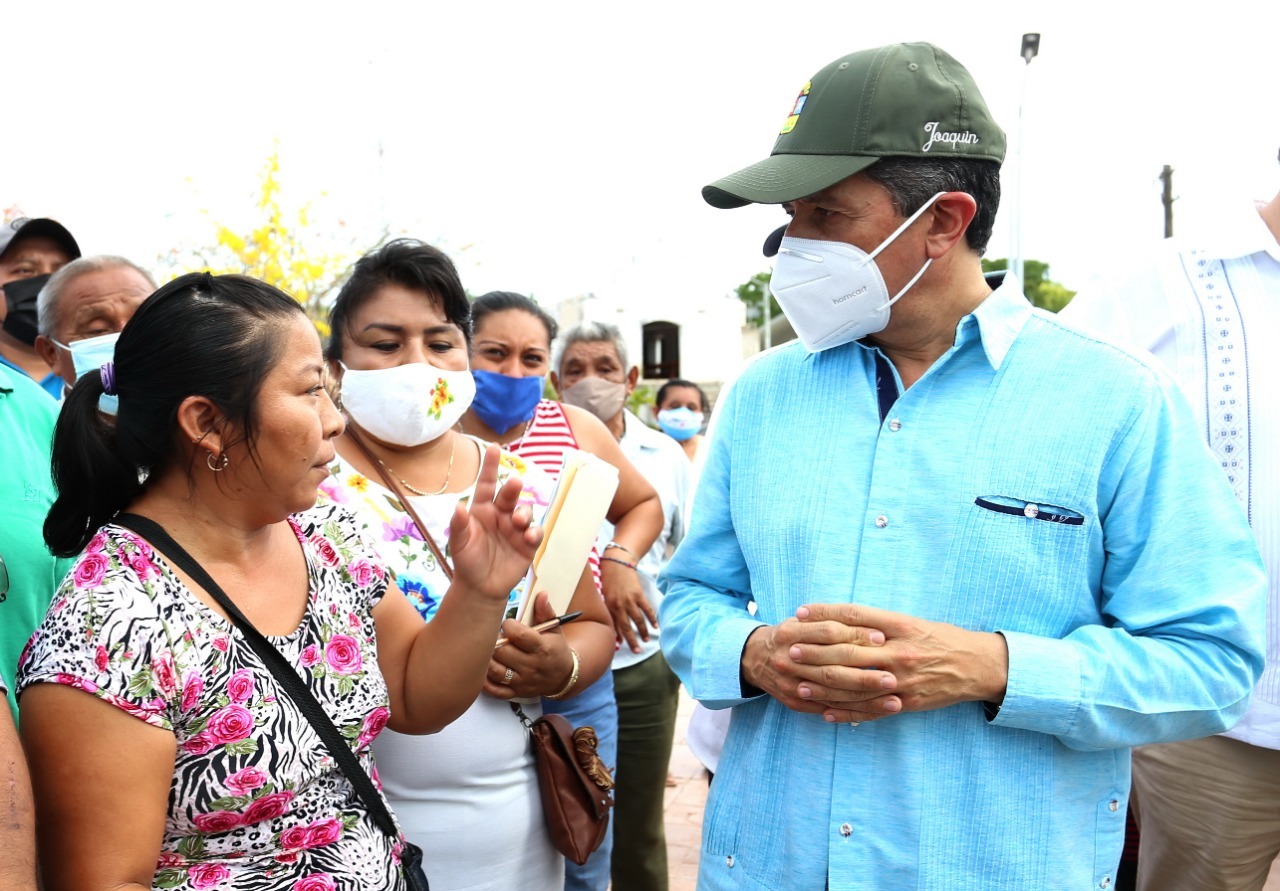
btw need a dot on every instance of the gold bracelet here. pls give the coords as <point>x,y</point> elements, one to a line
<point>573,678</point>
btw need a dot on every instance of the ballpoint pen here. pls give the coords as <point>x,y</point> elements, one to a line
<point>545,626</point>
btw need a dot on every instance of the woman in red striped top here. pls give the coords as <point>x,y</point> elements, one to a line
<point>511,340</point>
<point>511,356</point>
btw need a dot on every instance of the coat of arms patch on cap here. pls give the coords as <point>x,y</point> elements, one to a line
<point>796,109</point>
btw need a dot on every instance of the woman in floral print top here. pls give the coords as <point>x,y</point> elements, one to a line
<point>187,766</point>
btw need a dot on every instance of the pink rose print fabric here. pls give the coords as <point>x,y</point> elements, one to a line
<point>256,802</point>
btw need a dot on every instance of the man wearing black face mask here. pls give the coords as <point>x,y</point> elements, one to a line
<point>29,249</point>
<point>967,528</point>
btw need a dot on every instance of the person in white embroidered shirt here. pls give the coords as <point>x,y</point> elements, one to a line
<point>1209,309</point>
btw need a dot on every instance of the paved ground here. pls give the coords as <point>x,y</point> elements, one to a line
<point>685,801</point>
<point>684,806</point>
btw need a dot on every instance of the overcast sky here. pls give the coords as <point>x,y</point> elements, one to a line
<point>559,148</point>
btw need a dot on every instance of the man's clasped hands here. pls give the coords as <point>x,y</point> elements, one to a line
<point>854,663</point>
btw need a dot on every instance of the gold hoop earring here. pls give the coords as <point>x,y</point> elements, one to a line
<point>219,466</point>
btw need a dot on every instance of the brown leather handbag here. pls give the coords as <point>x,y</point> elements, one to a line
<point>574,784</point>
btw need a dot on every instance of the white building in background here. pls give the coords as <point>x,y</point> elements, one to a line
<point>702,339</point>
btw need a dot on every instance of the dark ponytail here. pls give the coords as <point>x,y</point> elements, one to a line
<point>199,335</point>
<point>92,478</point>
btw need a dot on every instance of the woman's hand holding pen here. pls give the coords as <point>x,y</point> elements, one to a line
<point>531,662</point>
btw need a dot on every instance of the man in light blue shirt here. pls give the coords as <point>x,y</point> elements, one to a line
<point>989,553</point>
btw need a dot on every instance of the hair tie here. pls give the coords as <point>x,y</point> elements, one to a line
<point>207,281</point>
<point>108,372</point>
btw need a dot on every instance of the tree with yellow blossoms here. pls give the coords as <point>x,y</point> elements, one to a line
<point>283,250</point>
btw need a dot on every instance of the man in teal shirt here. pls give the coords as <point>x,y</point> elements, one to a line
<point>989,553</point>
<point>29,249</point>
<point>17,830</point>
<point>30,573</point>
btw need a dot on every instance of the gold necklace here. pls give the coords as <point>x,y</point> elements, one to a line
<point>414,489</point>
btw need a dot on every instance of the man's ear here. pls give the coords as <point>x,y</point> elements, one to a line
<point>633,377</point>
<point>200,421</point>
<point>47,350</point>
<point>949,217</point>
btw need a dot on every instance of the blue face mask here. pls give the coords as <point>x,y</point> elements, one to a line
<point>90,354</point>
<point>680,423</point>
<point>502,401</point>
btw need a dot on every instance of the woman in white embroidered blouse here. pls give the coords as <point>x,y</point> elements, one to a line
<point>467,795</point>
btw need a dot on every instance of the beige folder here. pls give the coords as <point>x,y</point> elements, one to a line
<point>570,526</point>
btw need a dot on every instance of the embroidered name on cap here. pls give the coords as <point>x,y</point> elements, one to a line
<point>952,139</point>
<point>790,123</point>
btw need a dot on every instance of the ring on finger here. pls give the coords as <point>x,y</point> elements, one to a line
<point>506,678</point>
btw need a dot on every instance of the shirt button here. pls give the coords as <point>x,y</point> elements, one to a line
<point>1105,883</point>
<point>882,521</point>
<point>846,830</point>
<point>895,425</point>
<point>1113,805</point>
<point>1031,511</point>
<point>728,861</point>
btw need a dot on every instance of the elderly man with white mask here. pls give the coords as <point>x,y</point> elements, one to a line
<point>83,308</point>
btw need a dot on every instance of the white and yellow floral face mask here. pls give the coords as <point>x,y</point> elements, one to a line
<point>407,405</point>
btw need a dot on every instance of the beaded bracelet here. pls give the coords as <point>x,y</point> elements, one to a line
<point>573,677</point>
<point>621,547</point>
<point>619,562</point>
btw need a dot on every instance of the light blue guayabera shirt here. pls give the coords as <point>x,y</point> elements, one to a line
<point>1107,547</point>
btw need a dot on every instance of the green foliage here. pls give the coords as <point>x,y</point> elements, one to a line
<point>641,396</point>
<point>752,292</point>
<point>1039,288</point>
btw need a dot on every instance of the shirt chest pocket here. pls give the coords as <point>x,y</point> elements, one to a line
<point>1032,510</point>
<point>1022,563</point>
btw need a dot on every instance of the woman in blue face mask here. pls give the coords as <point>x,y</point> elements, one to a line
<point>510,358</point>
<point>681,410</point>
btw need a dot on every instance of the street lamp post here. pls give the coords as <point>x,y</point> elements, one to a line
<point>1030,49</point>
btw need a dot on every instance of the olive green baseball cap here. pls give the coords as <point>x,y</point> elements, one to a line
<point>908,99</point>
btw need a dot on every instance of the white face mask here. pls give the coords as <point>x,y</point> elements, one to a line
<point>409,404</point>
<point>832,292</point>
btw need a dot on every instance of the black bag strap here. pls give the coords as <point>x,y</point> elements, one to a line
<point>279,667</point>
